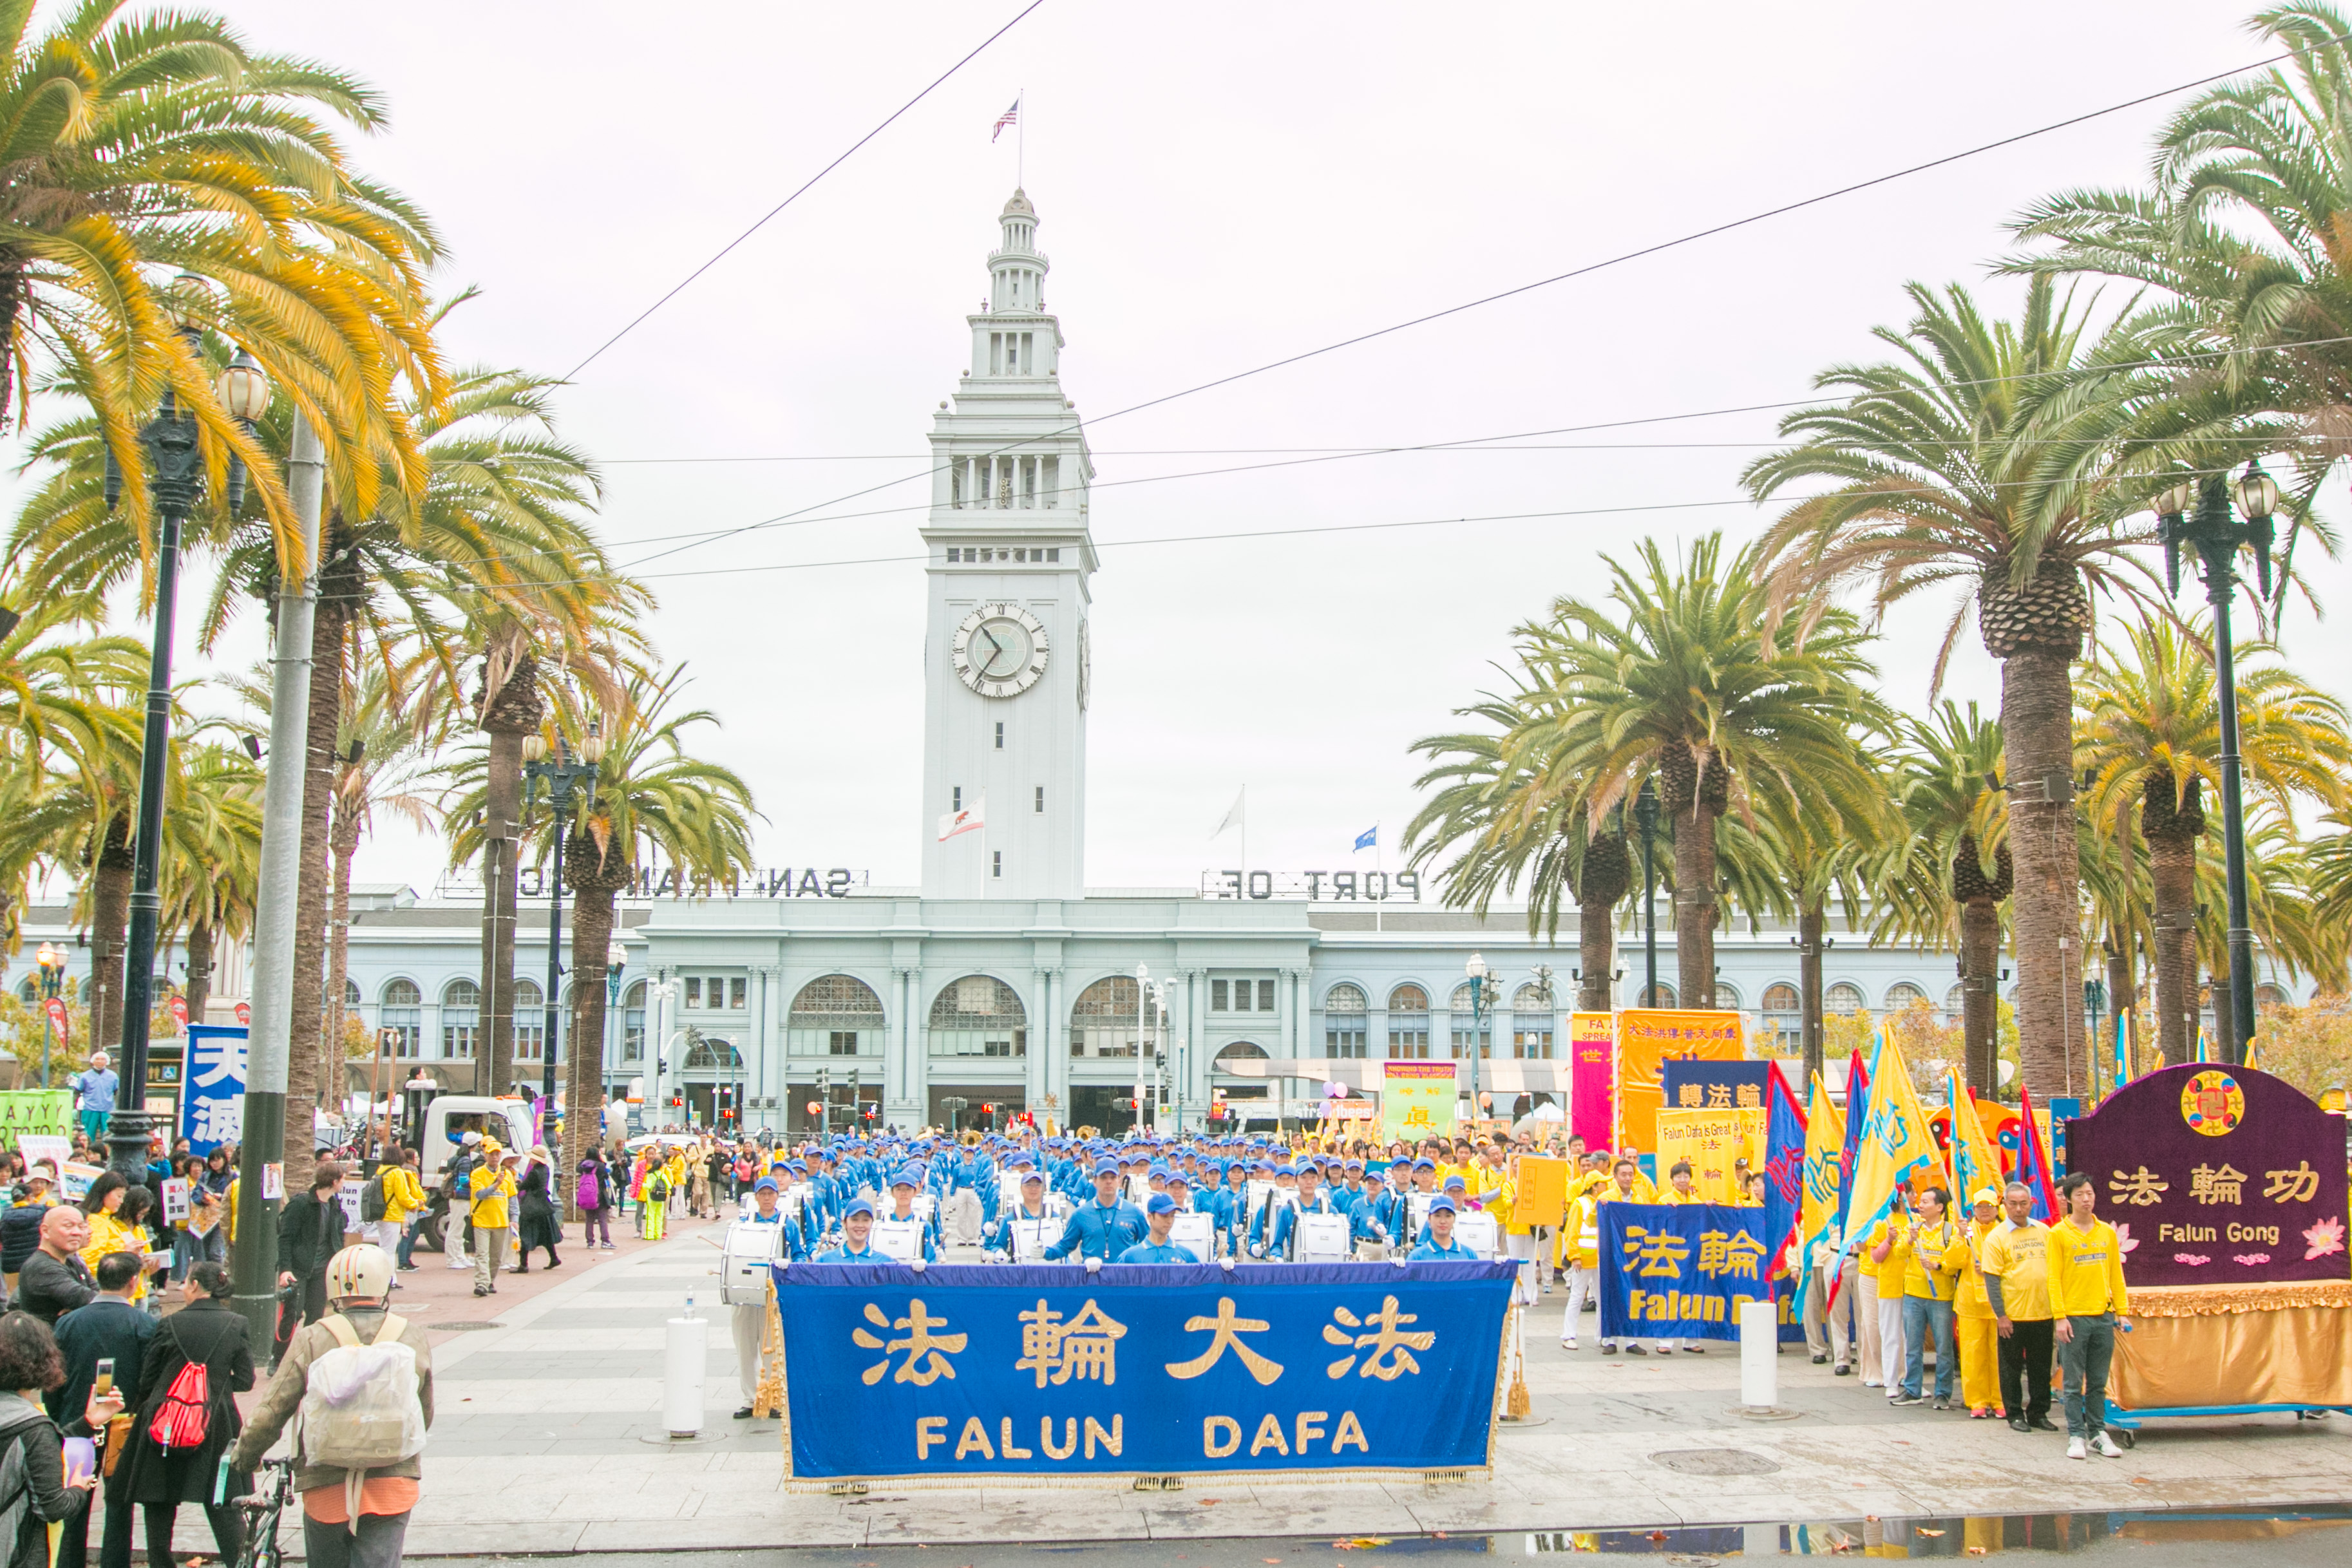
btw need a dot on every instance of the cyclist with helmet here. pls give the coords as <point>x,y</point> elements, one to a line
<point>351,1518</point>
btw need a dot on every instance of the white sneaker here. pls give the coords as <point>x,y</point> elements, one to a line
<point>1872,1383</point>
<point>461,1262</point>
<point>1568,1344</point>
<point>2074,1449</point>
<point>2105,1447</point>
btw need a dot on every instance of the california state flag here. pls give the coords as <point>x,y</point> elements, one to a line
<point>971,818</point>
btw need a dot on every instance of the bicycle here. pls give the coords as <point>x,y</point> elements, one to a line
<point>273,1488</point>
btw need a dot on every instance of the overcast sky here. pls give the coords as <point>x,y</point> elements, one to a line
<point>1218,185</point>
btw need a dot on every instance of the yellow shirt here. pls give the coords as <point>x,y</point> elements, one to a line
<point>1868,1251</point>
<point>1668,1196</point>
<point>489,1195</point>
<point>1970,1301</point>
<point>2087,1270</point>
<point>404,1194</point>
<point>2019,1257</point>
<point>109,1233</point>
<point>1930,1266</point>
<point>1580,1232</point>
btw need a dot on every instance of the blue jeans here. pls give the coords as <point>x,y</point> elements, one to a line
<point>408,1237</point>
<point>1922,1316</point>
<point>2085,1357</point>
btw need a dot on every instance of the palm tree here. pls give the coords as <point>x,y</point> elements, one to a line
<point>213,867</point>
<point>1955,868</point>
<point>650,792</point>
<point>1677,677</point>
<point>2149,739</point>
<point>1975,463</point>
<point>138,147</point>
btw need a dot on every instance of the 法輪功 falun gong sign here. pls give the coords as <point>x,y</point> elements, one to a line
<point>1048,1370</point>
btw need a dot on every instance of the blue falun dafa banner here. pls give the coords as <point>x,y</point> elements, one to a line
<point>1680,1271</point>
<point>967,1370</point>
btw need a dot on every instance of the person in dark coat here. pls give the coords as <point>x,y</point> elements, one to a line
<point>54,1279</point>
<point>29,1365</point>
<point>159,1480</point>
<point>535,1213</point>
<point>20,1226</point>
<point>310,1231</point>
<point>112,1328</point>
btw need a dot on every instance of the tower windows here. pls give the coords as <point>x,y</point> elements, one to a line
<point>996,863</point>
<point>955,799</point>
<point>1041,800</point>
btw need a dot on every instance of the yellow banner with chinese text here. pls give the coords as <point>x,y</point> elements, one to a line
<point>1647,1038</point>
<point>1713,1142</point>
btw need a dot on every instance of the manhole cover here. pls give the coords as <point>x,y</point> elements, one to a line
<point>1716,1462</point>
<point>462,1326</point>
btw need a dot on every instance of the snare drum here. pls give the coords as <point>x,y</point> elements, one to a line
<point>750,1249</point>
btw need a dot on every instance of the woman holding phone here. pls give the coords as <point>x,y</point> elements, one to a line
<point>31,1364</point>
<point>209,1332</point>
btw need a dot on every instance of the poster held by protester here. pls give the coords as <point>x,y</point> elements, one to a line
<point>1647,1039</point>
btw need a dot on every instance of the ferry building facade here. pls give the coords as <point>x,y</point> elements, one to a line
<point>1003,981</point>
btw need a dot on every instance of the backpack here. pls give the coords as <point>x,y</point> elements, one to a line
<point>590,1194</point>
<point>185,1416</point>
<point>372,1199</point>
<point>360,1409</point>
<point>656,1189</point>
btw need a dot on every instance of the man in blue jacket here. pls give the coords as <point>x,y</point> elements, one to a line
<point>1105,1228</point>
<point>1161,1215</point>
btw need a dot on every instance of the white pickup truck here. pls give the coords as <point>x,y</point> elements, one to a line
<point>439,1131</point>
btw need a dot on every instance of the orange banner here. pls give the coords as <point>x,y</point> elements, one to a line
<point>1648,1038</point>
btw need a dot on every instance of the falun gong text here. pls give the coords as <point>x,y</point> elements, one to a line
<point>1049,1370</point>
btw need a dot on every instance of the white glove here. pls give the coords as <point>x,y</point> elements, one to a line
<point>1094,1265</point>
<point>1258,1250</point>
<point>1398,1259</point>
<point>919,1265</point>
<point>1228,1264</point>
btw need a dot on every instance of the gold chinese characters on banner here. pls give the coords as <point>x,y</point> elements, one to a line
<point>1647,1039</point>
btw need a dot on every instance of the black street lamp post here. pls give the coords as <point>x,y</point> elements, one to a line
<point>562,777</point>
<point>2217,539</point>
<point>174,484</point>
<point>1646,817</point>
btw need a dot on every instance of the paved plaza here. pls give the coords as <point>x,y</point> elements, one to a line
<point>539,1447</point>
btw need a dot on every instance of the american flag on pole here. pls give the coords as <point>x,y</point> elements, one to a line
<point>1009,116</point>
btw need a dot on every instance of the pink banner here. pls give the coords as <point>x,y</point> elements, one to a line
<point>1593,1076</point>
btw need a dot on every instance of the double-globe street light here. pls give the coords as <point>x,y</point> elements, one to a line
<point>174,484</point>
<point>2217,538</point>
<point>563,779</point>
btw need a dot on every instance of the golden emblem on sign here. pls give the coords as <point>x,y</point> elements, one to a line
<point>2213,1103</point>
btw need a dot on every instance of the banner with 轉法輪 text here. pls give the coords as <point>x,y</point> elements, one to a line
<point>1592,1078</point>
<point>1714,1141</point>
<point>1647,1039</point>
<point>1681,1270</point>
<point>969,1371</point>
<point>1416,1100</point>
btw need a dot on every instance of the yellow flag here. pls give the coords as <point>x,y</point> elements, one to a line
<point>1895,1141</point>
<point>1975,1167</point>
<point>1825,1143</point>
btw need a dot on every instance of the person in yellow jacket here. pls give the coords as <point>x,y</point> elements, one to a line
<point>110,1232</point>
<point>2088,1303</point>
<point>1979,1345</point>
<point>1878,1303</point>
<point>1681,1188</point>
<point>2016,1258</point>
<point>1579,1248</point>
<point>1934,1251</point>
<point>490,1188</point>
<point>1497,1190</point>
<point>403,1206</point>
<point>1625,1185</point>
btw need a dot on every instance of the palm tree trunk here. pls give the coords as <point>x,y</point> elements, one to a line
<point>2171,825</point>
<point>109,923</point>
<point>507,714</point>
<point>1813,928</point>
<point>200,969</point>
<point>1695,908</point>
<point>2037,716</point>
<point>593,889</point>
<point>343,843</point>
<point>338,588</point>
<point>1979,995</point>
<point>1603,879</point>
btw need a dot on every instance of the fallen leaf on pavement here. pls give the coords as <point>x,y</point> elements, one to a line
<point>1923,1529</point>
<point>1359,1544</point>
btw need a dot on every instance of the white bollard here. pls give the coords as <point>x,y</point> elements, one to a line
<point>1760,1334</point>
<point>685,1356</point>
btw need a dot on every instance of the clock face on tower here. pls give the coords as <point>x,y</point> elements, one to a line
<point>999,651</point>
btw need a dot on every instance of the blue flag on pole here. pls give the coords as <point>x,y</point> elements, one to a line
<point>1369,837</point>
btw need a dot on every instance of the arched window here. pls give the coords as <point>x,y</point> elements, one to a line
<point>529,1022</point>
<point>2269,995</point>
<point>838,1015</point>
<point>1531,1024</point>
<point>1842,998</point>
<point>352,991</point>
<point>1103,1021</point>
<point>1784,1013</point>
<point>29,990</point>
<point>1727,997</point>
<point>1241,1051</point>
<point>401,1016</point>
<point>1902,994</point>
<point>713,1054</point>
<point>1466,1000</point>
<point>1343,1021</point>
<point>1955,1006</point>
<point>1531,997</point>
<point>1781,997</point>
<point>979,1015</point>
<point>633,1023</point>
<point>1663,998</point>
<point>1408,1022</point>
<point>461,1019</point>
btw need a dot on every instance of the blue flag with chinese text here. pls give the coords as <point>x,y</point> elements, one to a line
<point>1680,1271</point>
<point>1048,1370</point>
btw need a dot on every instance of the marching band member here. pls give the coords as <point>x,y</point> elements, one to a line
<point>1104,1226</point>
<point>1310,1199</point>
<point>1161,1213</point>
<point>997,1235</point>
<point>902,1222</point>
<point>1438,1244</point>
<point>750,1323</point>
<point>857,1236</point>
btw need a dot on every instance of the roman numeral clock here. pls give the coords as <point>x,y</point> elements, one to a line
<point>1000,651</point>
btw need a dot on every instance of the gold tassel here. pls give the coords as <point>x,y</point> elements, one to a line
<point>769,1399</point>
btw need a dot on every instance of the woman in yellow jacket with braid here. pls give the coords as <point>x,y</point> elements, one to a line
<point>1979,1341</point>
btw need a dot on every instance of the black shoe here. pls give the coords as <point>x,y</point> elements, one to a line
<point>1694,1350</point>
<point>1637,1349</point>
<point>744,1414</point>
<point>1943,1404</point>
<point>1906,1399</point>
<point>1821,1360</point>
<point>2020,1424</point>
<point>2044,1424</point>
<point>481,1290</point>
<point>1843,1370</point>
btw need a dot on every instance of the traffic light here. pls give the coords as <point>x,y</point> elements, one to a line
<point>824,1079</point>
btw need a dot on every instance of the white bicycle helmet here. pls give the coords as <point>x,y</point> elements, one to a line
<point>359,1272</point>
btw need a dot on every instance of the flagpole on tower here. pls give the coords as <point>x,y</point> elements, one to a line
<point>1020,144</point>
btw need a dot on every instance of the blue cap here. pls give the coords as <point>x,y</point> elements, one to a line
<point>766,1183</point>
<point>1106,1167</point>
<point>1178,1178</point>
<point>1441,1203</point>
<point>1161,1204</point>
<point>907,1177</point>
<point>1455,1184</point>
<point>1028,1175</point>
<point>858,1206</point>
<point>1425,1164</point>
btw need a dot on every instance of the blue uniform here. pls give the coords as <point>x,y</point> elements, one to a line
<point>1451,1251</point>
<point>842,1254</point>
<point>1097,1231</point>
<point>1286,1222</point>
<point>1164,1252</point>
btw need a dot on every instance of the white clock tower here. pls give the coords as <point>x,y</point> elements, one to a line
<point>1005,655</point>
